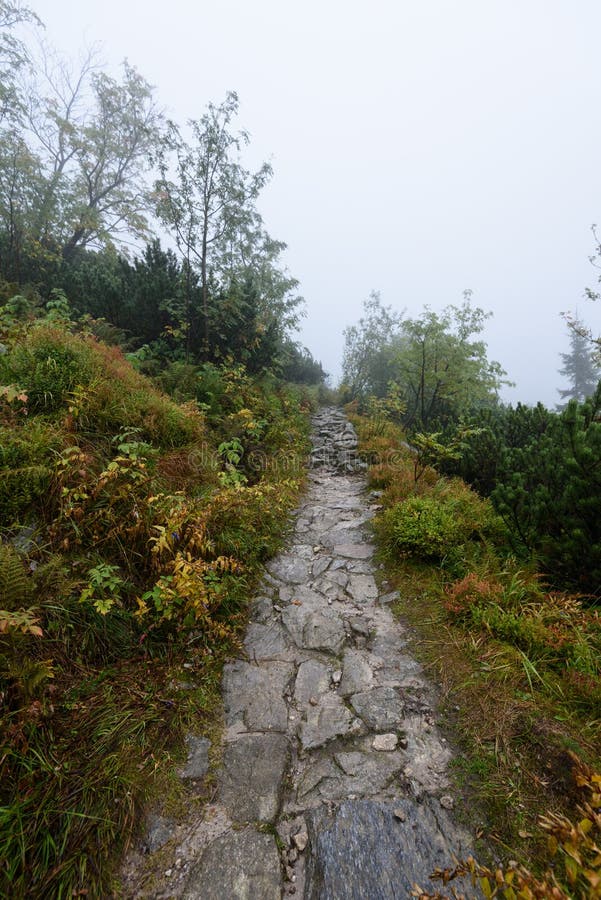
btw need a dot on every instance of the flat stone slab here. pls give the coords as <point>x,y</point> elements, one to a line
<point>359,774</point>
<point>289,569</point>
<point>299,593</point>
<point>381,708</point>
<point>254,695</point>
<point>362,588</point>
<point>312,629</point>
<point>346,535</point>
<point>312,680</point>
<point>265,642</point>
<point>355,551</point>
<point>363,851</point>
<point>325,722</point>
<point>357,674</point>
<point>253,769</point>
<point>197,763</point>
<point>238,865</point>
<point>261,610</point>
<point>320,566</point>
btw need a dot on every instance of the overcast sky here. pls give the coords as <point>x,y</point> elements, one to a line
<point>420,148</point>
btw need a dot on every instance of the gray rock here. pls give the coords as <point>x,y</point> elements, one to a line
<point>362,588</point>
<point>159,831</point>
<point>339,578</point>
<point>314,630</point>
<point>299,593</point>
<point>320,565</point>
<point>253,769</point>
<point>289,569</point>
<point>344,533</point>
<point>318,774</point>
<point>325,722</point>
<point>197,763</point>
<point>385,742</point>
<point>253,695</point>
<point>261,610</point>
<point>363,850</point>
<point>359,625</point>
<point>355,551</point>
<point>381,708</point>
<point>239,865</point>
<point>265,642</point>
<point>357,674</point>
<point>301,839</point>
<point>24,540</point>
<point>312,679</point>
<point>366,773</point>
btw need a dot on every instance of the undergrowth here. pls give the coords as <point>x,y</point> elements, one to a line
<point>130,543</point>
<point>519,666</point>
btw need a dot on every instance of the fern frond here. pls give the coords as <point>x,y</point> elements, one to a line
<point>14,584</point>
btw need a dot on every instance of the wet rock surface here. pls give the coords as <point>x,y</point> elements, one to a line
<point>330,724</point>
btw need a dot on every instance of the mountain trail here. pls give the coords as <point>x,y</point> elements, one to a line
<point>334,782</point>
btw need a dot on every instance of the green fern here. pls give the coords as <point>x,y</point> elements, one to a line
<point>29,675</point>
<point>19,488</point>
<point>14,584</point>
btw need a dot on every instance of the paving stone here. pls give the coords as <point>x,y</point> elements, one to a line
<point>289,569</point>
<point>361,550</point>
<point>312,679</point>
<point>254,695</point>
<point>370,771</point>
<point>362,850</point>
<point>325,722</point>
<point>314,630</point>
<point>314,774</point>
<point>362,588</point>
<point>300,593</point>
<point>357,674</point>
<point>360,625</point>
<point>261,610</point>
<point>197,763</point>
<point>253,769</point>
<point>381,708</point>
<point>239,865</point>
<point>320,565</point>
<point>265,641</point>
<point>338,577</point>
<point>334,537</point>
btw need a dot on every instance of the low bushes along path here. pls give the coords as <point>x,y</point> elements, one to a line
<point>334,782</point>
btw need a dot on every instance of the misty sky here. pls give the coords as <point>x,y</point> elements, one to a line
<point>420,148</point>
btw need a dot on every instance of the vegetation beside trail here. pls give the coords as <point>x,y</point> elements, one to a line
<point>133,529</point>
<point>519,662</point>
<point>150,444</point>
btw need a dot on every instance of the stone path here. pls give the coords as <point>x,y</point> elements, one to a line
<point>334,779</point>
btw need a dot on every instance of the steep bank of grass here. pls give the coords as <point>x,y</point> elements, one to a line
<point>519,665</point>
<point>132,531</point>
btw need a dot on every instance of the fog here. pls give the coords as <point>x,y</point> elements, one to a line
<point>419,148</point>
